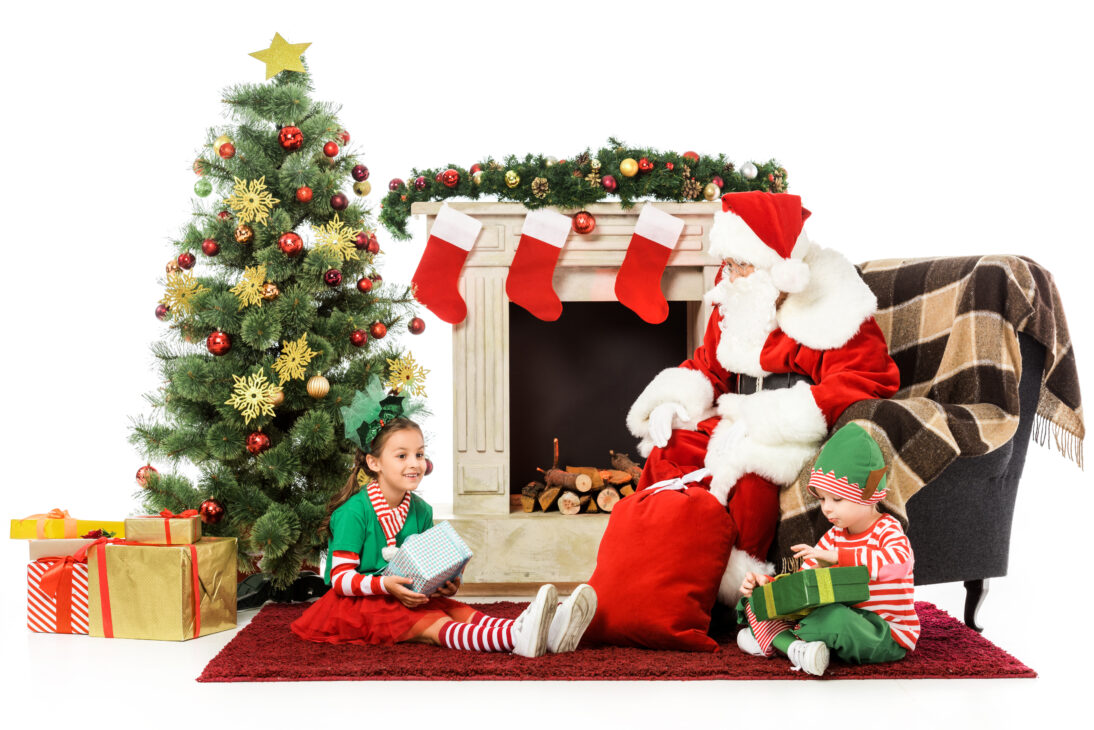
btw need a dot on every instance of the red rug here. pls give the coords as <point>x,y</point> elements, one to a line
<point>266,651</point>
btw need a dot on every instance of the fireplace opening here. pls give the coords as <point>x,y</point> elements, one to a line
<point>575,379</point>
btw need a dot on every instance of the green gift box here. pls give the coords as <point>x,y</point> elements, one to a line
<point>794,595</point>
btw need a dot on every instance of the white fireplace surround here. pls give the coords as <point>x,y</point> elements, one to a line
<point>513,546</point>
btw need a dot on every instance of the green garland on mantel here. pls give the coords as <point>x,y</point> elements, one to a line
<point>574,183</point>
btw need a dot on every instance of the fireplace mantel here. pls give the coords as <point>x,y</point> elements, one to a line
<point>515,547</point>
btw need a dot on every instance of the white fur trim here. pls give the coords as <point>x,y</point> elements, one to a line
<point>548,226</point>
<point>456,228</point>
<point>748,317</point>
<point>777,416</point>
<point>658,226</point>
<point>731,238</point>
<point>830,311</point>
<point>790,275</point>
<point>739,563</point>
<point>689,388</point>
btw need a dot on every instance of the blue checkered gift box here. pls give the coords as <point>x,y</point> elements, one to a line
<point>430,558</point>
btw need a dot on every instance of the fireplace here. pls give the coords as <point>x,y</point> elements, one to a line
<point>512,546</point>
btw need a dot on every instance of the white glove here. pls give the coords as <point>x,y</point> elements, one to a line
<point>661,420</point>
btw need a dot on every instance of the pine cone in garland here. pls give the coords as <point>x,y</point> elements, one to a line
<point>582,159</point>
<point>495,166</point>
<point>776,181</point>
<point>685,170</point>
<point>593,179</point>
<point>540,187</point>
<point>691,188</point>
<point>728,168</point>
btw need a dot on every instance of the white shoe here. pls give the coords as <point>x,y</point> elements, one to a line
<point>571,620</point>
<point>530,628</point>
<point>746,642</point>
<point>809,656</point>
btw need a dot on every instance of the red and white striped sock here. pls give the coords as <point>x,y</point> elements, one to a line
<point>476,637</point>
<point>436,280</point>
<point>638,283</point>
<point>481,619</point>
<point>529,281</point>
<point>765,631</point>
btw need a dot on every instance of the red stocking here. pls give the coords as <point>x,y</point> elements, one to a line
<point>529,282</point>
<point>437,276</point>
<point>638,284</point>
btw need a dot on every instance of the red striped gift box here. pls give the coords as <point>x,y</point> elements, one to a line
<point>57,596</point>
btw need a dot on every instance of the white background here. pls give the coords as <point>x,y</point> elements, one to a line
<point>909,129</point>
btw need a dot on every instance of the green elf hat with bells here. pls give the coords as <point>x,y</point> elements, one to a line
<point>850,466</point>
<point>372,408</point>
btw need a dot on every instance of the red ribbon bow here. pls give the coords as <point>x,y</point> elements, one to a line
<point>56,582</point>
<point>167,516</point>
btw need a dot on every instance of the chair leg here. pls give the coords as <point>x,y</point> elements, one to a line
<point>975,590</point>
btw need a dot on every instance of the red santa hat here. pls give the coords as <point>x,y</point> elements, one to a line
<point>765,230</point>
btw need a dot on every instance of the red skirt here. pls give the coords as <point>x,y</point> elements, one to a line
<point>337,619</point>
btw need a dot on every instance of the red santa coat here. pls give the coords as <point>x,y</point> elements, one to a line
<point>754,443</point>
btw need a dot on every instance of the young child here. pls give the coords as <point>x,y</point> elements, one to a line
<point>370,517</point>
<point>849,480</point>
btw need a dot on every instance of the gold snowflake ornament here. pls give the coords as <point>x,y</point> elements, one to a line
<point>406,374</point>
<point>251,396</point>
<point>294,359</point>
<point>251,201</point>
<point>336,236</point>
<point>251,287</point>
<point>180,293</point>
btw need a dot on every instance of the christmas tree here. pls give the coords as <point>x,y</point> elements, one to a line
<point>277,316</point>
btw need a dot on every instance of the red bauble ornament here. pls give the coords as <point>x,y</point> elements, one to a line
<point>209,247</point>
<point>361,240</point>
<point>211,511</point>
<point>645,165</point>
<point>609,183</point>
<point>669,166</point>
<point>420,183</point>
<point>373,246</point>
<point>395,184</point>
<point>364,285</point>
<point>344,136</point>
<point>199,167</point>
<point>450,178</point>
<point>693,156</point>
<point>378,330</point>
<point>428,467</point>
<point>227,150</point>
<point>330,149</point>
<point>416,326</point>
<point>144,472</point>
<point>303,194</point>
<point>333,277</point>
<point>437,177</point>
<point>475,168</point>
<point>290,244</point>
<point>717,180</point>
<point>290,138</point>
<point>162,310</point>
<point>359,338</point>
<point>224,215</point>
<point>338,201</point>
<point>187,260</point>
<point>376,278</point>
<point>218,343</point>
<point>584,222</point>
<point>359,173</point>
<point>257,442</point>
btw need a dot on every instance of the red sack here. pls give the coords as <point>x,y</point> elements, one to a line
<point>658,568</point>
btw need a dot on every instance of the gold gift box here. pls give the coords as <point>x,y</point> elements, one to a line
<point>157,529</point>
<point>151,590</point>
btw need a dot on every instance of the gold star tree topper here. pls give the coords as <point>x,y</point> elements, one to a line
<point>281,56</point>
<point>337,237</point>
<point>250,288</point>
<point>294,359</point>
<point>251,201</point>
<point>251,396</point>
<point>406,374</point>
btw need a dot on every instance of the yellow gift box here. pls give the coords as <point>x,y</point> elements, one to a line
<point>164,592</point>
<point>165,528</point>
<point>58,525</point>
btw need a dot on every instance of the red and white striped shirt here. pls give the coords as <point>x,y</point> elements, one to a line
<point>346,581</point>
<point>885,550</point>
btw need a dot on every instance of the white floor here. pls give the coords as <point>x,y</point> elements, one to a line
<point>144,683</point>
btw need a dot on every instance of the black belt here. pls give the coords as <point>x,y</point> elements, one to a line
<point>747,385</point>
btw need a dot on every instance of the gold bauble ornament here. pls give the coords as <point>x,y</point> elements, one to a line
<point>270,291</point>
<point>173,267</point>
<point>277,398</point>
<point>476,177</point>
<point>222,139</point>
<point>362,188</point>
<point>594,164</point>
<point>712,191</point>
<point>629,167</point>
<point>244,234</point>
<point>318,387</point>
<point>512,179</point>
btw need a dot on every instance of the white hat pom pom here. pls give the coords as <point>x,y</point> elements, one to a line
<point>388,552</point>
<point>790,275</point>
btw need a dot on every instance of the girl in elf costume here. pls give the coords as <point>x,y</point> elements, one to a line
<point>367,521</point>
<point>849,480</point>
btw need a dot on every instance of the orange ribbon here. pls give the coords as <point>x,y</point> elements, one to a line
<point>54,514</point>
<point>167,516</point>
<point>104,586</point>
<point>56,582</point>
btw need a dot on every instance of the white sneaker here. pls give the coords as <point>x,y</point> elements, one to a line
<point>571,620</point>
<point>746,642</point>
<point>530,628</point>
<point>809,656</point>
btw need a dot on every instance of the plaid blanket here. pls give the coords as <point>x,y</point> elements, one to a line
<point>952,327</point>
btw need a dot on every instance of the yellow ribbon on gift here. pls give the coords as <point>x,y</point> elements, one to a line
<point>824,588</point>
<point>71,530</point>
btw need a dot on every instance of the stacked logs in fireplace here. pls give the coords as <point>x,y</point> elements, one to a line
<point>581,489</point>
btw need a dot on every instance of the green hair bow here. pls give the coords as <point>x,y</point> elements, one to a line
<point>371,409</point>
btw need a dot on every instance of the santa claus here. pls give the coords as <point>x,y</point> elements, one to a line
<point>790,344</point>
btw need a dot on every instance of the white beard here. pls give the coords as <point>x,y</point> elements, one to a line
<point>748,317</point>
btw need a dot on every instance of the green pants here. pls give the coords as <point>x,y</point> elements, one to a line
<point>853,635</point>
